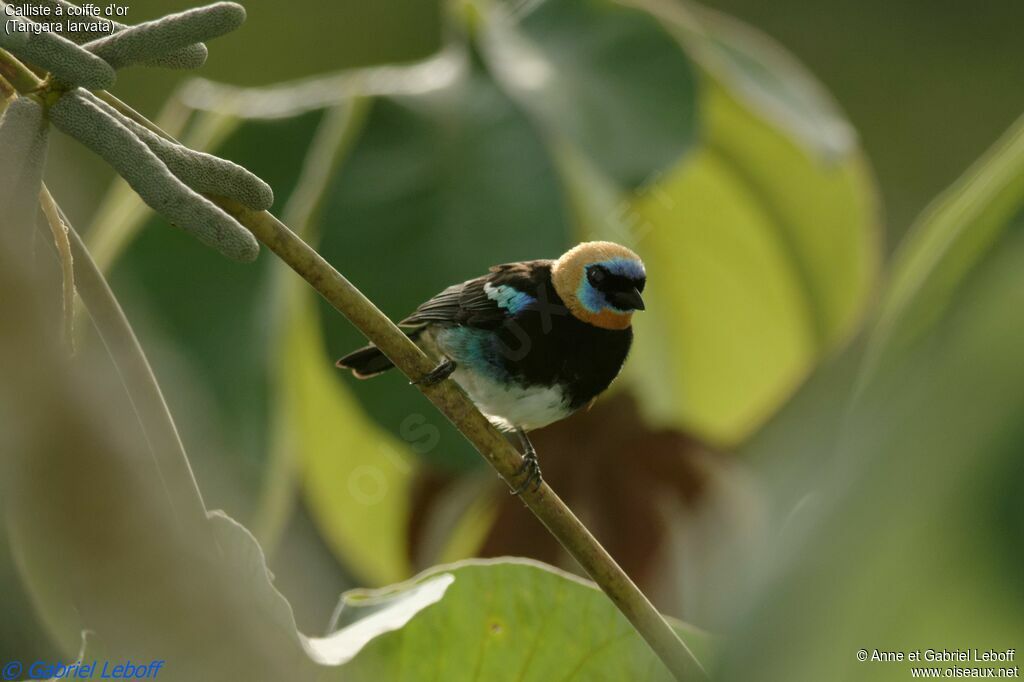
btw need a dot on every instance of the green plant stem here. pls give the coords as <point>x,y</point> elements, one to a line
<point>454,404</point>
<point>127,111</point>
<point>6,89</point>
<point>59,230</point>
<point>17,74</point>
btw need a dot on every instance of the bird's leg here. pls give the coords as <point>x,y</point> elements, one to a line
<point>530,465</point>
<point>438,374</point>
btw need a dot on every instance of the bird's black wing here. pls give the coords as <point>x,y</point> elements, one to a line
<point>468,304</point>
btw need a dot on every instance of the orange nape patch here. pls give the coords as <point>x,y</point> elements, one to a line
<point>606,319</point>
<point>567,274</point>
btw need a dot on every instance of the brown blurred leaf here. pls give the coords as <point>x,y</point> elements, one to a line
<point>634,486</point>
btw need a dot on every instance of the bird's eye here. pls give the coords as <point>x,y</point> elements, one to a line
<point>595,275</point>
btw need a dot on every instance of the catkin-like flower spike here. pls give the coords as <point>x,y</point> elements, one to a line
<point>79,117</point>
<point>153,39</point>
<point>205,173</point>
<point>189,57</point>
<point>23,136</point>
<point>66,61</point>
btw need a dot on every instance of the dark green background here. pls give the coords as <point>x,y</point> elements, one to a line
<point>929,85</point>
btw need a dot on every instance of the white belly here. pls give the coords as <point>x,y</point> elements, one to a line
<point>511,407</point>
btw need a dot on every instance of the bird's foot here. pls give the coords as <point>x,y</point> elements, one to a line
<point>436,375</point>
<point>531,468</point>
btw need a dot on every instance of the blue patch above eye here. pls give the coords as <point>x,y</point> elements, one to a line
<point>626,267</point>
<point>508,298</point>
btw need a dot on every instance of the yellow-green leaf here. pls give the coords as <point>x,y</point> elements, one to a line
<point>512,620</point>
<point>761,258</point>
<point>728,330</point>
<point>950,239</point>
<point>917,542</point>
<point>356,474</point>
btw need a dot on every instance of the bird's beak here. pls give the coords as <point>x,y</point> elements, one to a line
<point>628,300</point>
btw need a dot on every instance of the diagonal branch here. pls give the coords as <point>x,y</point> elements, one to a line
<point>454,404</point>
<point>17,74</point>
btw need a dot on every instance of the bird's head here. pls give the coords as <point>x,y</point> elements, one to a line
<point>600,283</point>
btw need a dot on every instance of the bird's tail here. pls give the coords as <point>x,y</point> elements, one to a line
<point>368,361</point>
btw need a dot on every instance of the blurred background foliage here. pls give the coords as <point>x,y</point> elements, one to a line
<point>903,72</point>
<point>666,127</point>
<point>507,131</point>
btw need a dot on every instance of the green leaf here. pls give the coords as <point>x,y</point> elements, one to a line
<point>129,552</point>
<point>356,475</point>
<point>514,619</point>
<point>364,616</point>
<point>921,527</point>
<point>762,74</point>
<point>605,78</point>
<point>761,259</point>
<point>953,237</point>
